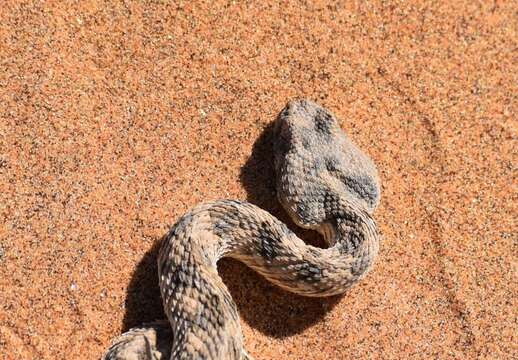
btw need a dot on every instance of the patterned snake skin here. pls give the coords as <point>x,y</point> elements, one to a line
<point>324,182</point>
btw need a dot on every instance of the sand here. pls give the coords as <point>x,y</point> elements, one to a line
<point>117,117</point>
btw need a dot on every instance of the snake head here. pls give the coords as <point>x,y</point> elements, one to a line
<point>312,151</point>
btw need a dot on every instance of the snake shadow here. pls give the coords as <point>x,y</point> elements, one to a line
<point>263,306</point>
<point>143,300</point>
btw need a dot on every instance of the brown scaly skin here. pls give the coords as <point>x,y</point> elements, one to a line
<point>324,182</point>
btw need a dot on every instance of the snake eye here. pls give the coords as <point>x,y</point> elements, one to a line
<point>332,164</point>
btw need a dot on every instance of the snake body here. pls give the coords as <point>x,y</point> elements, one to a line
<point>324,182</point>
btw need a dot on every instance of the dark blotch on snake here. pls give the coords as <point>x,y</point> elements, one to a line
<point>268,247</point>
<point>323,122</point>
<point>363,187</point>
<point>309,272</point>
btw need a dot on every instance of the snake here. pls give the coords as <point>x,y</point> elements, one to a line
<point>324,182</point>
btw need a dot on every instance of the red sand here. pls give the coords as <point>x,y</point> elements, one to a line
<point>116,119</point>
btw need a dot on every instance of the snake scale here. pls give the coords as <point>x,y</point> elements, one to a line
<point>324,182</point>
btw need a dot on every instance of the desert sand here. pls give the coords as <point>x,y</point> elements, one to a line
<point>117,117</point>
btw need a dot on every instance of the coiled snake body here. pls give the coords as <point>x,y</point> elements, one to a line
<point>324,182</point>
